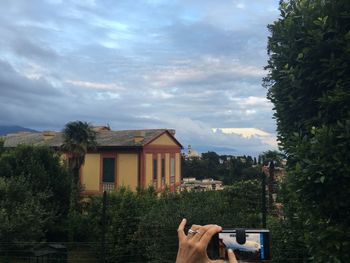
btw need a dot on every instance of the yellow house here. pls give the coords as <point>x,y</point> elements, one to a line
<point>131,158</point>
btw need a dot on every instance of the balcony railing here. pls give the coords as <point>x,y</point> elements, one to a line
<point>108,187</point>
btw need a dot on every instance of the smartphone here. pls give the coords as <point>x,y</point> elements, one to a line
<point>256,247</point>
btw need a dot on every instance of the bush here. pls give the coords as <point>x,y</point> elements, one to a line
<point>23,215</point>
<point>141,227</point>
<point>41,169</point>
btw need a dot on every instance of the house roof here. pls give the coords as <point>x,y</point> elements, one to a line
<point>104,138</point>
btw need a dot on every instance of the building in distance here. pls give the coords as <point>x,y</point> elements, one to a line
<point>130,158</point>
<point>191,184</point>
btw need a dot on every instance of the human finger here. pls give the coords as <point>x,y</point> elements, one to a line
<point>231,256</point>
<point>193,231</point>
<point>201,231</point>
<point>180,230</point>
<point>195,227</point>
<point>211,231</point>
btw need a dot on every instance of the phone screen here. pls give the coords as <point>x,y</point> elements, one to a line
<point>256,247</point>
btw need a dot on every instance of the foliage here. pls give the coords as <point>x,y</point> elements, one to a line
<point>43,174</point>
<point>309,65</point>
<point>308,84</point>
<point>227,168</point>
<point>141,227</point>
<point>24,216</point>
<point>287,230</point>
<point>275,156</point>
<point>123,214</point>
<point>78,138</point>
<point>2,149</point>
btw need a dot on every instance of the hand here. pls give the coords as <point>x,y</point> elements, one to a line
<point>193,247</point>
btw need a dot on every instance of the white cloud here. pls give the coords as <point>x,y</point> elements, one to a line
<point>240,6</point>
<point>159,94</point>
<point>191,65</point>
<point>265,137</point>
<point>245,132</point>
<point>250,112</point>
<point>252,101</point>
<point>95,85</point>
<point>202,69</point>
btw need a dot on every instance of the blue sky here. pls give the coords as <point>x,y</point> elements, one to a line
<point>191,65</point>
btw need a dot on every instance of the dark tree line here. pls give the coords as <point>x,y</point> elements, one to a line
<point>228,168</point>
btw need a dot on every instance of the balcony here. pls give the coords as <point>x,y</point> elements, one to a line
<point>108,187</point>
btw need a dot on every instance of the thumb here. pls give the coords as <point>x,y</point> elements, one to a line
<point>231,256</point>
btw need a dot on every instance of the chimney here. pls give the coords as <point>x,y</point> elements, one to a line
<point>139,136</point>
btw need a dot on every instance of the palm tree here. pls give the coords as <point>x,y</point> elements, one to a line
<point>78,137</point>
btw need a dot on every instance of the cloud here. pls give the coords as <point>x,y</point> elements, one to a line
<point>95,85</point>
<point>198,135</point>
<point>192,65</point>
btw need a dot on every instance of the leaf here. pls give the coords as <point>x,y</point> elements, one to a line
<point>322,178</point>
<point>347,36</point>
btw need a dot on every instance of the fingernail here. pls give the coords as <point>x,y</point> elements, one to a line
<point>230,250</point>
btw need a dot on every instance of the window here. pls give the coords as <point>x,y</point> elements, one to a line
<point>163,172</point>
<point>155,170</point>
<point>108,173</point>
<point>172,170</point>
<point>163,168</point>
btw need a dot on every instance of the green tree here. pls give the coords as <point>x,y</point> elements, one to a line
<point>125,209</point>
<point>272,156</point>
<point>193,167</point>
<point>78,138</point>
<point>34,197</point>
<point>211,164</point>
<point>308,84</point>
<point>42,170</point>
<point>2,149</point>
<point>24,216</point>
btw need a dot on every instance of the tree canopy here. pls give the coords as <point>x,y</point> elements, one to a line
<point>309,85</point>
<point>34,195</point>
<point>78,138</point>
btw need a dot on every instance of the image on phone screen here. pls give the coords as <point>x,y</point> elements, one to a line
<point>252,249</point>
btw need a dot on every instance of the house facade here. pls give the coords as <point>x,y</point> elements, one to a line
<point>131,158</point>
<point>192,184</point>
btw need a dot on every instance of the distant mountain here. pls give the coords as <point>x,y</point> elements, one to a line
<point>13,129</point>
<point>219,150</point>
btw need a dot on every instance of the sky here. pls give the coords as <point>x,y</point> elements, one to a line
<point>195,66</point>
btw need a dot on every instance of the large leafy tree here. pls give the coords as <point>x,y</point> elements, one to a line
<point>78,138</point>
<point>24,216</point>
<point>309,85</point>
<point>34,195</point>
